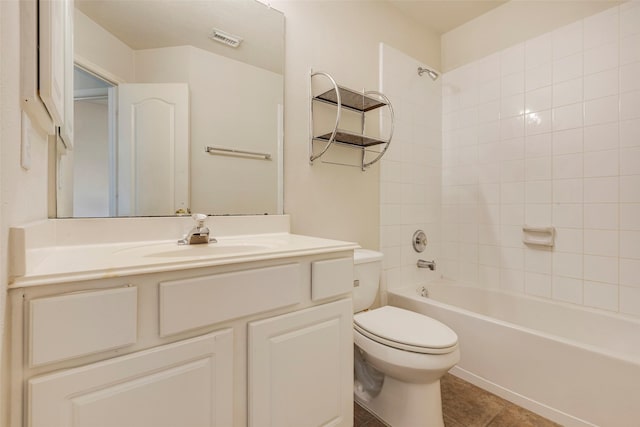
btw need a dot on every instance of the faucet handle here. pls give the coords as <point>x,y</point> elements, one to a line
<point>199,219</point>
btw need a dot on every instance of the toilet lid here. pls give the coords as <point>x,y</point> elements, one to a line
<point>406,330</point>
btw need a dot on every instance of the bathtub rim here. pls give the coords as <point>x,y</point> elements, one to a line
<point>412,293</point>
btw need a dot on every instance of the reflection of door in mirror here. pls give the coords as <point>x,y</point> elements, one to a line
<point>153,149</point>
<point>121,176</point>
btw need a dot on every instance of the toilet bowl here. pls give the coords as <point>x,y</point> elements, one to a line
<point>400,355</point>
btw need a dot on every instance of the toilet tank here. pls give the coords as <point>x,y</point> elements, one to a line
<point>367,266</point>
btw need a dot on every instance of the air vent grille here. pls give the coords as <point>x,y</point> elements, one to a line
<point>226,38</point>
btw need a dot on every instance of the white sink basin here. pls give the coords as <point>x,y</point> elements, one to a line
<point>220,248</point>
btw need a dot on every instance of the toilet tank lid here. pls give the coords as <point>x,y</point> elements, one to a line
<point>361,256</point>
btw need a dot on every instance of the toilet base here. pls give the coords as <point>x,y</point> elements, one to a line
<point>402,404</point>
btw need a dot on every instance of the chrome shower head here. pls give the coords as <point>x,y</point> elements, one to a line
<point>433,74</point>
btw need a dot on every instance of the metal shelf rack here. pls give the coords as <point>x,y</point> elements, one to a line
<point>355,101</point>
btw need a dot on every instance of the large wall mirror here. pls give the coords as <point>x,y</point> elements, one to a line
<point>178,108</point>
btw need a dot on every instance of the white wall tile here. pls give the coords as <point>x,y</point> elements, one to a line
<point>601,58</point>
<point>630,300</point>
<point>568,92</point>
<point>512,192</point>
<point>601,163</point>
<point>630,161</point>
<point>602,216</point>
<point>538,168</point>
<point>538,51</point>
<point>567,40</point>
<point>568,191</point>
<point>512,60</point>
<point>568,166</point>
<point>629,19</point>
<point>567,265</point>
<point>512,84</point>
<point>599,85</point>
<point>601,242</point>
<point>489,91</point>
<point>630,216</point>
<point>629,77</point>
<point>538,99</point>
<point>512,127</point>
<point>537,123</point>
<point>601,269</point>
<point>630,244</point>
<point>555,141</point>
<point>512,105</point>
<point>630,105</point>
<point>630,133</point>
<point>512,171</point>
<point>601,190</point>
<point>601,28</point>
<point>629,51</point>
<point>538,145</point>
<point>630,272</point>
<point>539,192</point>
<point>512,280</point>
<point>601,137</point>
<point>568,215</point>
<point>630,189</point>
<point>537,284</point>
<point>538,260</point>
<point>601,110</point>
<point>538,77</point>
<point>512,149</point>
<point>601,295</point>
<point>538,214</point>
<point>568,141</point>
<point>568,68</point>
<point>569,240</point>
<point>569,117</point>
<point>567,289</point>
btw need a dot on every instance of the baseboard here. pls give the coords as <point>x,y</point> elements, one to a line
<point>520,400</point>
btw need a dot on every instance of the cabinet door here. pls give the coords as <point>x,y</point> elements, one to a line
<point>301,368</point>
<point>188,383</point>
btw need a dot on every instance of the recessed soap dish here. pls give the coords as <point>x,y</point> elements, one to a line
<point>541,236</point>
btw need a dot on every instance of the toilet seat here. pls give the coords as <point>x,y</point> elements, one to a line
<point>406,330</point>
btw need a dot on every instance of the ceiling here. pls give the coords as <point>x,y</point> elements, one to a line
<point>444,15</point>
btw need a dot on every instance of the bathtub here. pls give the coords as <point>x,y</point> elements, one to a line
<point>573,365</point>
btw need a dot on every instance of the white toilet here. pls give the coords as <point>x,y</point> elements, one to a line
<point>400,355</point>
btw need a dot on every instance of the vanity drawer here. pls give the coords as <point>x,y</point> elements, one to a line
<point>331,277</point>
<point>77,324</point>
<point>201,301</point>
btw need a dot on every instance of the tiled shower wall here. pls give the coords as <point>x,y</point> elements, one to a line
<point>547,133</point>
<point>410,171</point>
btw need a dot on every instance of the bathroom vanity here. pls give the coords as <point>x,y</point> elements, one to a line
<point>253,330</point>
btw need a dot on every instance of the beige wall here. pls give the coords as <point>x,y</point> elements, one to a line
<point>510,24</point>
<point>23,193</point>
<point>341,38</point>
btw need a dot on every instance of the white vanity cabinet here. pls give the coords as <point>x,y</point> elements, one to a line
<point>186,383</point>
<point>228,346</point>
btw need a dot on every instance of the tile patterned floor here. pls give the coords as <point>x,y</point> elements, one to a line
<point>465,405</point>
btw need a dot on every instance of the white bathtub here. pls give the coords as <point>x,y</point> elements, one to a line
<point>573,365</point>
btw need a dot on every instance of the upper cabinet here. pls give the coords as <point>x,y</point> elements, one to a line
<point>47,65</point>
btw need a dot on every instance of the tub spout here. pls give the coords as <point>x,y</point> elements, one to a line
<point>431,265</point>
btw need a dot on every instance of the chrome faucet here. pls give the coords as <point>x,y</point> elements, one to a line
<point>431,265</point>
<point>198,234</point>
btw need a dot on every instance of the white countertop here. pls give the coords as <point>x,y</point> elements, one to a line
<point>96,261</point>
<point>70,250</point>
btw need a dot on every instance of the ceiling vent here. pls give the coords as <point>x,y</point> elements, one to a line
<point>226,38</point>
